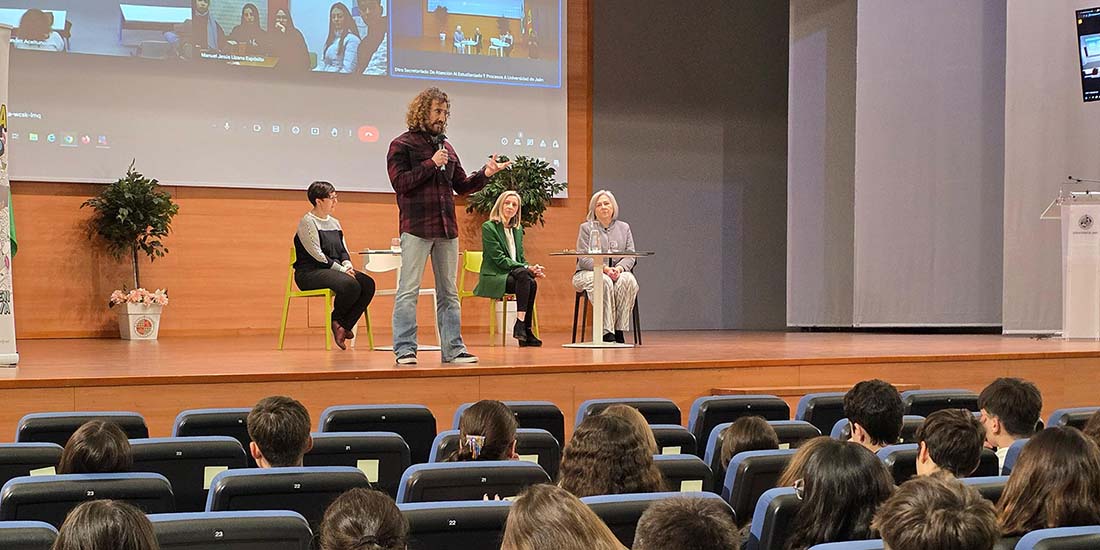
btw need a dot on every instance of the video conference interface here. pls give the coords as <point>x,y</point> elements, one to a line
<point>1088,39</point>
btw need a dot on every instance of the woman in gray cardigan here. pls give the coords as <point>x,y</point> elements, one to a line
<point>620,286</point>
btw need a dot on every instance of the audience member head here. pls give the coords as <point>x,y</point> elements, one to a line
<point>486,431</point>
<point>106,525</point>
<point>637,421</point>
<point>748,433</point>
<point>950,440</point>
<point>1010,410</point>
<point>34,25</point>
<point>937,512</point>
<point>686,523</point>
<point>874,409</point>
<point>607,457</point>
<point>364,519</point>
<point>797,466</point>
<point>279,428</point>
<point>97,447</point>
<point>1055,483</point>
<point>842,485</point>
<point>545,517</point>
<point>1092,428</point>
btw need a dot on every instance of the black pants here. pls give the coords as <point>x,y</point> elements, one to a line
<point>352,295</point>
<point>521,282</point>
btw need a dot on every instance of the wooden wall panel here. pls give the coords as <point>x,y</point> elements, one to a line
<point>18,403</point>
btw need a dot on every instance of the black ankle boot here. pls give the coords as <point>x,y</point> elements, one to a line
<point>620,337</point>
<point>532,340</point>
<point>609,337</point>
<point>519,331</point>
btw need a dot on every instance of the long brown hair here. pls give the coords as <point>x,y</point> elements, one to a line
<point>640,424</point>
<point>97,447</point>
<point>416,118</point>
<point>545,517</point>
<point>607,457</point>
<point>1055,483</point>
<point>748,433</point>
<point>364,519</point>
<point>106,525</point>
<point>486,431</point>
<point>797,465</point>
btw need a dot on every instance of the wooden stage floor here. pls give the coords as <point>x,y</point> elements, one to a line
<point>158,379</point>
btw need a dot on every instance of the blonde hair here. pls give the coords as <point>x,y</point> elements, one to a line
<point>416,118</point>
<point>592,205</point>
<point>496,215</point>
<point>546,517</point>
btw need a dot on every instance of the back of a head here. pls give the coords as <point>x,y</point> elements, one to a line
<point>938,512</point>
<point>279,426</point>
<point>1092,428</point>
<point>487,431</point>
<point>106,525</point>
<point>681,523</point>
<point>607,457</point>
<point>545,517</point>
<point>1016,402</point>
<point>876,406</point>
<point>640,424</point>
<point>1055,483</point>
<point>797,466</point>
<point>363,519</point>
<point>748,433</point>
<point>954,439</point>
<point>97,447</point>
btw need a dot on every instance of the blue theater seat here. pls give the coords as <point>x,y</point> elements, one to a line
<point>1076,417</point>
<point>1013,455</point>
<point>19,459</point>
<point>772,519</point>
<point>533,445</point>
<point>307,490</point>
<point>926,402</point>
<point>57,427</point>
<point>656,410</point>
<point>473,525</point>
<point>673,439</point>
<point>542,415</point>
<point>382,456</point>
<point>822,409</point>
<point>876,544</point>
<point>708,412</point>
<point>269,530</point>
<point>621,512</point>
<point>1061,538</point>
<point>990,487</point>
<point>27,535</point>
<point>227,422</point>
<point>446,481</point>
<point>189,463</point>
<point>686,473</point>
<point>793,433</point>
<point>750,475</point>
<point>50,498</point>
<point>414,423</point>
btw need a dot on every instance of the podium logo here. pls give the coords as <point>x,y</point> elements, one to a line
<point>1085,222</point>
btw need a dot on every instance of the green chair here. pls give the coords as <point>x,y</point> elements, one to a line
<point>471,262</point>
<point>325,293</point>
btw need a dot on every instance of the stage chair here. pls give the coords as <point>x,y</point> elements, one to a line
<point>444,481</point>
<point>307,491</point>
<point>823,409</point>
<point>926,402</point>
<point>414,423</point>
<point>325,293</point>
<point>875,544</point>
<point>621,512</point>
<point>381,456</point>
<point>229,422</point>
<point>793,433</point>
<point>750,474</point>
<point>1076,417</point>
<point>990,487</point>
<point>189,463</point>
<point>471,262</point>
<point>543,415</point>
<point>635,318</point>
<point>1013,454</point>
<point>772,519</point>
<point>384,263</point>
<point>50,498</point>
<point>473,525</point>
<point>27,535</point>
<point>20,459</point>
<point>842,430</point>
<point>673,439</point>
<point>268,529</point>
<point>685,473</point>
<point>57,427</point>
<point>656,410</point>
<point>710,411</point>
<point>532,445</point>
<point>1061,538</point>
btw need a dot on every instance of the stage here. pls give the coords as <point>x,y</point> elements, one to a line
<point>159,379</point>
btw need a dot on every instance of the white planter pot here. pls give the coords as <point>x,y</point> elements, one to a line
<point>138,321</point>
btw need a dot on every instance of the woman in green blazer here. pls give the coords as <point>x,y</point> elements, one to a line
<point>503,267</point>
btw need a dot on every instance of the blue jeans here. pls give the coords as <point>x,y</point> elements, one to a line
<point>414,254</point>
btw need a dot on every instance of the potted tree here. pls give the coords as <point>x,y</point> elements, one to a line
<point>532,178</point>
<point>131,217</point>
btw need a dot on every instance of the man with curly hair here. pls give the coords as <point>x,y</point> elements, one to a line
<point>426,173</point>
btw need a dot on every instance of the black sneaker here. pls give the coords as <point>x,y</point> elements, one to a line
<point>620,337</point>
<point>406,359</point>
<point>609,337</point>
<point>464,358</point>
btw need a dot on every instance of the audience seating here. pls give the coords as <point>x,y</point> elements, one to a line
<point>20,459</point>
<point>532,445</point>
<point>189,464</point>
<point>990,487</point>
<point>229,422</point>
<point>823,410</point>
<point>381,456</point>
<point>909,425</point>
<point>56,427</point>
<point>772,519</point>
<point>415,423</point>
<point>269,529</point>
<point>686,473</point>
<point>1061,538</point>
<point>793,433</point>
<point>1013,454</point>
<point>1076,417</point>
<point>750,475</point>
<point>444,481</point>
<point>474,525</point>
<point>655,410</point>
<point>27,535</point>
<point>673,439</point>
<point>708,412</point>
<point>307,491</point>
<point>50,498</point>
<point>621,512</point>
<point>901,460</point>
<point>926,402</point>
<point>543,415</point>
<point>875,544</point>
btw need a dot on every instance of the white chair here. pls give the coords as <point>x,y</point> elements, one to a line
<point>383,263</point>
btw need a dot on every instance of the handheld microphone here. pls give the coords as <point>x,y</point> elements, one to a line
<point>440,146</point>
